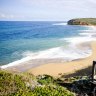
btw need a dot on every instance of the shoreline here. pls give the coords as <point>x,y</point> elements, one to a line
<point>29,63</point>
<point>67,67</point>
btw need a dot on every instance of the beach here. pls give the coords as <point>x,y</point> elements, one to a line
<point>45,51</point>
<point>67,67</point>
<point>47,47</point>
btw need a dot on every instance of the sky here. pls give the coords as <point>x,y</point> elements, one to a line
<point>46,10</point>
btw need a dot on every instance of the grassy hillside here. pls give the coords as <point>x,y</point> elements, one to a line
<point>12,84</point>
<point>82,21</point>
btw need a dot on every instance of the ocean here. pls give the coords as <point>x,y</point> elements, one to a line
<point>27,40</point>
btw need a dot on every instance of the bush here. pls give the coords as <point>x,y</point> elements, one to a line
<point>52,91</point>
<point>11,84</point>
<point>16,85</point>
<point>45,79</point>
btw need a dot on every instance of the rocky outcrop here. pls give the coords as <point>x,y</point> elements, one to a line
<point>82,21</point>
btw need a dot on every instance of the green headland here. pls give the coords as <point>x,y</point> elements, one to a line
<point>82,21</point>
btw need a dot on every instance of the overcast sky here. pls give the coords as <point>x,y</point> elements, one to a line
<point>46,10</point>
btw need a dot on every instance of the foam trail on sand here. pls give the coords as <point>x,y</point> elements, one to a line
<point>16,62</point>
<point>58,52</point>
<point>68,54</point>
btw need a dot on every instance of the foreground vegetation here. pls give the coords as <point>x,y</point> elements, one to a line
<point>12,84</point>
<point>82,21</point>
<point>25,84</point>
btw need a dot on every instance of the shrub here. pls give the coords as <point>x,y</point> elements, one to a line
<point>11,83</point>
<point>52,91</point>
<point>45,79</point>
<point>16,85</point>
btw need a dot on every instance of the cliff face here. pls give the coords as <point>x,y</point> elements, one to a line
<point>82,21</point>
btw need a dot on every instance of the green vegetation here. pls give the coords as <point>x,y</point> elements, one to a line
<point>13,84</point>
<point>51,91</point>
<point>24,84</point>
<point>46,79</point>
<point>82,21</point>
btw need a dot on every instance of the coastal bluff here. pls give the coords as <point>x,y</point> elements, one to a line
<point>82,21</point>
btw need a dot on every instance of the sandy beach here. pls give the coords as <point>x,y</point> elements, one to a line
<point>67,67</point>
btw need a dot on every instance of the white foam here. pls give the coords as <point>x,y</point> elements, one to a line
<point>89,33</point>
<point>77,40</point>
<point>60,24</point>
<point>85,36</point>
<point>92,28</point>
<point>53,53</point>
<point>71,53</point>
<point>16,62</point>
<point>60,52</point>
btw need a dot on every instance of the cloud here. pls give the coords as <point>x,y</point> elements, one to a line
<point>2,15</point>
<point>60,4</point>
<point>92,1</point>
<point>48,9</point>
<point>8,16</point>
<point>11,16</point>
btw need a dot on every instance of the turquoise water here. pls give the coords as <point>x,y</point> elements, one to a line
<point>19,38</point>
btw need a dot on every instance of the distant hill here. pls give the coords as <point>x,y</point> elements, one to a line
<point>82,21</point>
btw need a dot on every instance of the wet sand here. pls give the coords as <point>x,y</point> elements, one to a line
<point>55,69</point>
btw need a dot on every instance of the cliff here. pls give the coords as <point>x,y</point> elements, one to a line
<point>82,21</point>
